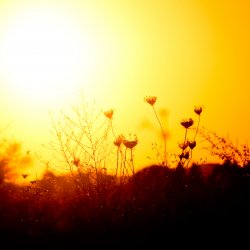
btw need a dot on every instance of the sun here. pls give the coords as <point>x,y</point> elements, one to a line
<point>43,54</point>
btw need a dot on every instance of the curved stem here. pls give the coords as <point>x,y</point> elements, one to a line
<point>164,137</point>
<point>113,132</point>
<point>132,162</point>
<point>185,138</point>
<point>124,166</point>
<point>197,127</point>
<point>191,155</point>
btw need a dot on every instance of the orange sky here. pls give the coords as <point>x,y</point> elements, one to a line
<point>185,52</point>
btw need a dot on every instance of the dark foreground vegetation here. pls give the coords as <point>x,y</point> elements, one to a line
<point>185,205</point>
<point>157,205</point>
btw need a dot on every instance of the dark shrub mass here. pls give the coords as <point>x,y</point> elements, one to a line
<point>157,205</point>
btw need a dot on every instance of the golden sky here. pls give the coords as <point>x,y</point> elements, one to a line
<point>186,52</point>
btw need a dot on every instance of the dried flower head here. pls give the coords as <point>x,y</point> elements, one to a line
<point>118,141</point>
<point>184,145</point>
<point>192,144</point>
<point>198,110</point>
<point>25,176</point>
<point>186,123</point>
<point>150,100</point>
<point>184,155</point>
<point>130,143</point>
<point>109,113</point>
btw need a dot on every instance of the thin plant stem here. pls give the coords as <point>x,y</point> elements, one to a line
<point>197,127</point>
<point>163,134</point>
<point>117,161</point>
<point>132,162</point>
<point>185,138</point>
<point>190,158</point>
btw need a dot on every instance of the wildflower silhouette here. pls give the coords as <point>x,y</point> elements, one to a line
<point>184,145</point>
<point>118,142</point>
<point>192,144</point>
<point>186,123</point>
<point>25,175</point>
<point>198,111</point>
<point>151,100</point>
<point>130,144</point>
<point>109,113</point>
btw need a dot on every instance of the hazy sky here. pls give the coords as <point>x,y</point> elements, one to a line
<point>186,52</point>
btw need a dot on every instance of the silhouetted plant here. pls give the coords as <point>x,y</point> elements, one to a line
<point>153,202</point>
<point>185,154</point>
<point>225,149</point>
<point>118,142</point>
<point>82,143</point>
<point>151,100</point>
<point>130,144</point>
<point>124,167</point>
<point>119,164</point>
<point>187,146</point>
<point>192,143</point>
<point>198,111</point>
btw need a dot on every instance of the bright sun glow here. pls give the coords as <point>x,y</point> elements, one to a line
<point>43,54</point>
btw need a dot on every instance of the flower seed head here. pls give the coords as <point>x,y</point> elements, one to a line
<point>150,100</point>
<point>192,144</point>
<point>109,113</point>
<point>183,145</point>
<point>198,110</point>
<point>186,123</point>
<point>186,155</point>
<point>130,144</point>
<point>119,140</point>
